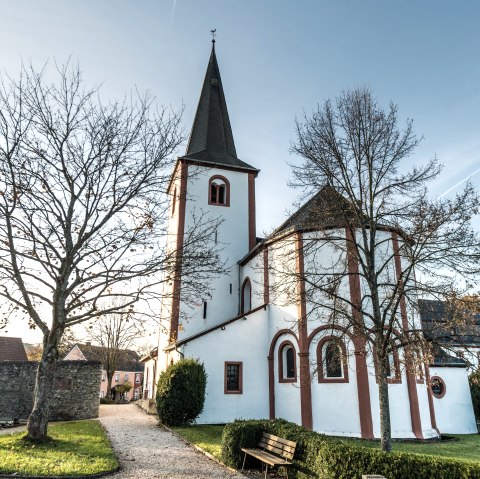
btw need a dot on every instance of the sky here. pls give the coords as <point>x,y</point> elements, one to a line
<point>278,59</point>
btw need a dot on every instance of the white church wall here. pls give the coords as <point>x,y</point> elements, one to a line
<point>323,257</point>
<point>283,289</point>
<point>454,411</point>
<point>424,406</point>
<point>335,405</point>
<point>254,271</point>
<point>243,341</point>
<point>232,238</point>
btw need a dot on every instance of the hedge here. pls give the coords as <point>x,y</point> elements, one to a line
<point>322,457</point>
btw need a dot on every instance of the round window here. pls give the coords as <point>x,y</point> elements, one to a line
<point>438,387</point>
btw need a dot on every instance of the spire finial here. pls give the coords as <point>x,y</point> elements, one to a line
<point>213,35</point>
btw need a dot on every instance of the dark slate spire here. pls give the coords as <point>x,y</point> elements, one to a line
<point>211,138</point>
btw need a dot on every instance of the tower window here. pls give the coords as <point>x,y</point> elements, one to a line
<point>219,191</point>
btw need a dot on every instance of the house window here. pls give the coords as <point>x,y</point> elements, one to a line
<point>137,378</point>
<point>104,376</point>
<point>117,377</point>
<point>287,372</point>
<point>135,394</point>
<point>246,301</point>
<point>438,387</point>
<point>126,376</point>
<point>233,378</point>
<point>332,360</point>
<point>219,191</point>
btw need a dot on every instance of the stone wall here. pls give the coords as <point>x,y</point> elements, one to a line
<point>74,395</point>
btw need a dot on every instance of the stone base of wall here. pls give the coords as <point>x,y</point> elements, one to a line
<point>74,396</point>
<point>148,405</point>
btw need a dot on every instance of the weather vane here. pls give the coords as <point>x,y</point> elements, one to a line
<point>213,34</point>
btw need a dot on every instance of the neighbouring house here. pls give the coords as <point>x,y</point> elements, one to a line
<point>12,349</point>
<point>264,359</point>
<point>129,370</point>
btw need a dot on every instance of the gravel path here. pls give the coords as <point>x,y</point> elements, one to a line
<point>148,451</point>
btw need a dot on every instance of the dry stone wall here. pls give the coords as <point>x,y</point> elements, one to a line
<point>74,396</point>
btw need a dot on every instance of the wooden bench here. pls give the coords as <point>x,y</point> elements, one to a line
<point>272,451</point>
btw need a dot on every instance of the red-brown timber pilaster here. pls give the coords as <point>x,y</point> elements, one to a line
<point>271,387</point>
<point>305,382</point>
<point>182,201</point>
<point>431,406</point>
<point>252,234</point>
<point>266,281</point>
<point>411,379</point>
<point>363,389</point>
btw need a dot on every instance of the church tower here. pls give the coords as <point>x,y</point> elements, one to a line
<point>210,178</point>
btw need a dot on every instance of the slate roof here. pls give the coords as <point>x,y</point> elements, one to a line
<point>12,349</point>
<point>436,325</point>
<point>211,138</point>
<point>326,208</point>
<point>128,361</point>
<point>441,358</point>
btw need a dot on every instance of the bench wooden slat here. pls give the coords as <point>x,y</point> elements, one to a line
<point>277,450</point>
<point>266,457</point>
<point>287,447</point>
<point>279,439</point>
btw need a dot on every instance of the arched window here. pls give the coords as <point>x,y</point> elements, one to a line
<point>393,367</point>
<point>219,191</point>
<point>287,364</point>
<point>332,360</point>
<point>246,300</point>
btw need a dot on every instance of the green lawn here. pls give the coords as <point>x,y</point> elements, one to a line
<point>465,448</point>
<point>209,438</point>
<point>77,448</point>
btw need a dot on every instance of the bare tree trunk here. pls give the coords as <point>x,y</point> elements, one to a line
<point>384,402</point>
<point>109,385</point>
<point>37,426</point>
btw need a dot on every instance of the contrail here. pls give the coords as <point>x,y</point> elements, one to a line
<point>459,183</point>
<point>173,12</point>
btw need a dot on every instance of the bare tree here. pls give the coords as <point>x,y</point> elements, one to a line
<point>115,333</point>
<point>83,207</point>
<point>373,241</point>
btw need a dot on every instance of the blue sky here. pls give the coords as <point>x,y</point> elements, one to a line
<point>278,58</point>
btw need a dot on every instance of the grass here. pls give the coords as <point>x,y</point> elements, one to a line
<point>209,438</point>
<point>77,448</point>
<point>464,447</point>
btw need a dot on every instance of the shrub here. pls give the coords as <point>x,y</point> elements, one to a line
<point>318,456</point>
<point>181,392</point>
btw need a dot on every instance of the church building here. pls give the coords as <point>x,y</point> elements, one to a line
<point>265,359</point>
